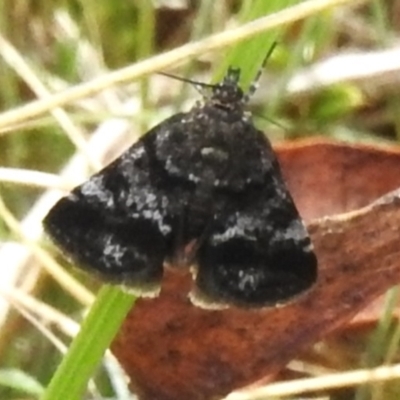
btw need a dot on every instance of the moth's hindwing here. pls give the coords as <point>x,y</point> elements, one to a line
<point>257,255</point>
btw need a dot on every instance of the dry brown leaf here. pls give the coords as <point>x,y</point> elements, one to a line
<point>173,350</point>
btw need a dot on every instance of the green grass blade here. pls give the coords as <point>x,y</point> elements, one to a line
<point>86,351</point>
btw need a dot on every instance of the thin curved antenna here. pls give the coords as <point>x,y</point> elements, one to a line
<point>198,85</point>
<point>254,85</point>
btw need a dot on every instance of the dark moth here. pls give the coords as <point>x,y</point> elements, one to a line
<point>204,190</point>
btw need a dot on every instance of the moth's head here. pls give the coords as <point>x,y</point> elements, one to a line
<point>228,93</point>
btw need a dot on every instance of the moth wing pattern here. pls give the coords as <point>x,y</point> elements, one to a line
<point>117,224</point>
<point>258,254</point>
<point>208,181</point>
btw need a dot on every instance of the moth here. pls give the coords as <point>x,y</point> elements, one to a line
<point>201,190</point>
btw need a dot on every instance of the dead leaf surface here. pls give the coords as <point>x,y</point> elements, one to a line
<point>173,350</point>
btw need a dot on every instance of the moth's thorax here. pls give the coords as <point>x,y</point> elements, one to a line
<point>205,144</point>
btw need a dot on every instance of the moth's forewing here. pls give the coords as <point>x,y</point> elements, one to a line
<point>114,224</point>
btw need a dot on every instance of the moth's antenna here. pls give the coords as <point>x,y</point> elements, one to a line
<point>254,85</point>
<point>198,85</point>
